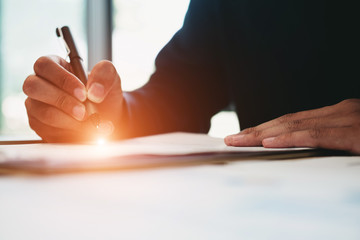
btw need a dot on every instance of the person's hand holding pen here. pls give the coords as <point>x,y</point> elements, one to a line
<point>55,103</point>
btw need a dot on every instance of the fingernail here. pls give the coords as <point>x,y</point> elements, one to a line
<point>79,112</point>
<point>80,94</point>
<point>268,141</point>
<point>96,92</point>
<point>233,139</point>
<point>237,137</point>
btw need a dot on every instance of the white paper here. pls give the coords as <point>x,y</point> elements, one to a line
<point>157,149</point>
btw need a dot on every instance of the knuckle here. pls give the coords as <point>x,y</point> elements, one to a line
<point>40,64</point>
<point>286,118</point>
<point>350,103</point>
<point>255,133</point>
<point>317,133</point>
<point>248,130</point>
<point>27,104</point>
<point>294,125</point>
<point>61,101</point>
<point>30,85</point>
<point>63,81</point>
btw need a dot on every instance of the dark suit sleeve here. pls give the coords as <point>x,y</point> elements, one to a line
<point>188,86</point>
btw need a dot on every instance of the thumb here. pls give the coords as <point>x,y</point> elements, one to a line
<point>102,79</point>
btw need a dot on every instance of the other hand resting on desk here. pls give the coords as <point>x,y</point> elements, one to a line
<point>333,127</point>
<point>55,103</point>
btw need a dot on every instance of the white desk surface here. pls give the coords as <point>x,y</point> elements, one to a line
<point>315,198</point>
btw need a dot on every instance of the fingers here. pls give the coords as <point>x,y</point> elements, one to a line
<point>102,79</point>
<point>56,100</point>
<point>345,107</point>
<point>254,136</point>
<point>47,133</point>
<point>58,72</point>
<point>342,138</point>
<point>41,90</point>
<point>53,125</point>
<point>343,114</point>
<point>50,115</point>
<point>294,117</point>
<point>332,127</point>
<point>52,134</point>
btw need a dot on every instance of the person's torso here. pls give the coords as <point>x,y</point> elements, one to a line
<point>288,56</point>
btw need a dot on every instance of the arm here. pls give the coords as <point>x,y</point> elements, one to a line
<point>188,86</point>
<point>182,95</point>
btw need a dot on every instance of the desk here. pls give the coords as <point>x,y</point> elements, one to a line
<point>314,198</point>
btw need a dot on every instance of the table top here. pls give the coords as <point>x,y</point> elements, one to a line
<point>312,198</point>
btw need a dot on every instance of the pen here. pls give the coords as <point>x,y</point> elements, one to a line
<point>77,67</point>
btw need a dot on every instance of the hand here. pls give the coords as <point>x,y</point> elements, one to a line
<point>55,103</point>
<point>333,127</point>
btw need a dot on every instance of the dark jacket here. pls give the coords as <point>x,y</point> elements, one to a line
<point>266,58</point>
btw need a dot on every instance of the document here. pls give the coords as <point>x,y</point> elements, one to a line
<point>152,151</point>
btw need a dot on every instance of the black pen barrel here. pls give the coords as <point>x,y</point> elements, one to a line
<point>75,59</point>
<point>78,69</point>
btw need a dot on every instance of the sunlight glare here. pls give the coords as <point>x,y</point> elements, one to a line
<point>101,141</point>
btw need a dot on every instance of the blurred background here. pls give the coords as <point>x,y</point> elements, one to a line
<point>129,32</point>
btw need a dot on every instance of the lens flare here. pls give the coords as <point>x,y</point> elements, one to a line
<point>100,141</point>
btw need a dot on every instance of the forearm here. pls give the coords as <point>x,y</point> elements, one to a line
<point>147,112</point>
<point>189,85</point>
